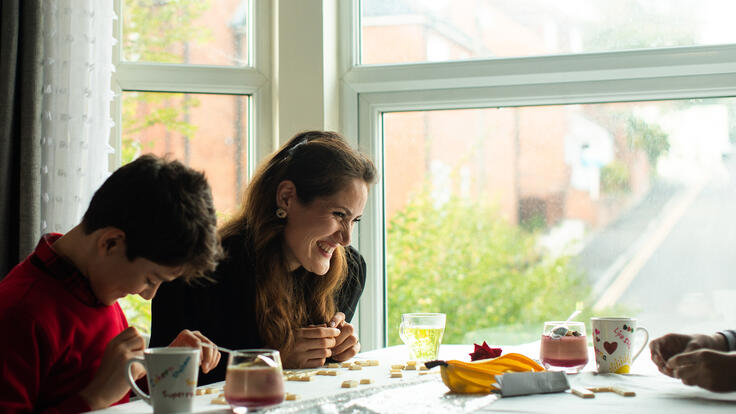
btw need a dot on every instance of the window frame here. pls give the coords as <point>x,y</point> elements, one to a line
<point>617,76</point>
<point>253,80</point>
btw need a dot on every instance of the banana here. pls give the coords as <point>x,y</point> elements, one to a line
<point>479,376</point>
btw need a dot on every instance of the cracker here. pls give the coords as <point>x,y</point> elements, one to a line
<point>356,368</point>
<point>599,389</point>
<point>366,381</point>
<point>397,375</point>
<point>349,384</point>
<point>411,363</point>
<point>582,392</point>
<point>333,365</point>
<point>623,392</point>
<point>220,401</point>
<point>398,366</point>
<point>199,391</point>
<point>292,397</point>
<point>373,362</point>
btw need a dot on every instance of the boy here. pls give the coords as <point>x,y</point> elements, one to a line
<point>65,338</point>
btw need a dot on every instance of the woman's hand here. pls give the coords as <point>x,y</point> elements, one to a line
<point>210,357</point>
<point>346,344</point>
<point>312,346</point>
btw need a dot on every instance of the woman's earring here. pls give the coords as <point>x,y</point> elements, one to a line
<point>280,213</point>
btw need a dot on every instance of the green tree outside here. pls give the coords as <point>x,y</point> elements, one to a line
<point>462,259</point>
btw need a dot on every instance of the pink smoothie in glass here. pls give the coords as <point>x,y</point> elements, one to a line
<point>568,353</point>
<point>254,386</point>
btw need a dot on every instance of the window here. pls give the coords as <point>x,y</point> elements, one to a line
<point>205,131</point>
<point>502,218</point>
<point>191,84</point>
<point>433,31</point>
<point>194,32</point>
<point>533,179</point>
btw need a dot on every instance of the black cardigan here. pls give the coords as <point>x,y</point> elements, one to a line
<point>224,310</point>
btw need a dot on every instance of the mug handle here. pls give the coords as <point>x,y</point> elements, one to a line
<point>137,360</point>
<point>644,344</point>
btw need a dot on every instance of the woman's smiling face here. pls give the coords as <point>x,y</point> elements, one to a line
<point>314,230</point>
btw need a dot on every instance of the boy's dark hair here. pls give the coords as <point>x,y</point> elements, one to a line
<point>165,209</point>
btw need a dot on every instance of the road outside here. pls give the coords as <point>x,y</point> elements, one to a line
<point>669,259</point>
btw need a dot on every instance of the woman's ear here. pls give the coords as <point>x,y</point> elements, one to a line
<point>285,194</point>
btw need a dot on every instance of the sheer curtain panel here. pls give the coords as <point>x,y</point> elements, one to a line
<point>75,118</point>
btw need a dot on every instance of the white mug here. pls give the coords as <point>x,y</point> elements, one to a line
<point>172,378</point>
<point>613,343</point>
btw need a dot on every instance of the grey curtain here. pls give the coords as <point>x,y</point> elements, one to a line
<point>21,75</point>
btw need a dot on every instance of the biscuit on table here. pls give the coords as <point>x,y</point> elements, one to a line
<point>220,401</point>
<point>349,384</point>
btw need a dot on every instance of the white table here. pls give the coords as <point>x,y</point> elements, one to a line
<point>414,393</point>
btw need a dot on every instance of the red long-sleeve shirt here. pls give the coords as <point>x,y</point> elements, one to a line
<point>53,332</point>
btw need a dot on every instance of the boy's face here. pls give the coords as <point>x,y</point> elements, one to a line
<point>113,276</point>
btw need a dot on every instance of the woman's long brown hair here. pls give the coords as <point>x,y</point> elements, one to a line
<point>320,164</point>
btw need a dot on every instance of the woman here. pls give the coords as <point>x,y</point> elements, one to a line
<point>289,281</point>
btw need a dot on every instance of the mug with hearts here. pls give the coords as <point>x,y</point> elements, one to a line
<point>613,343</point>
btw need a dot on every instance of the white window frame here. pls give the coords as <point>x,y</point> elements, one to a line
<point>619,76</point>
<point>254,80</point>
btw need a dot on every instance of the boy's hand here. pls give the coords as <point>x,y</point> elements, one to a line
<point>210,357</point>
<point>346,344</point>
<point>110,383</point>
<point>312,346</point>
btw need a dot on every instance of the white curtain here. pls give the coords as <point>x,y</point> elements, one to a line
<point>76,123</point>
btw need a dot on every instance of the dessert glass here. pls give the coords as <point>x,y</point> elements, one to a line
<point>254,379</point>
<point>564,346</point>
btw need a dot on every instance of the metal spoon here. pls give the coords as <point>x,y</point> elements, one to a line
<point>270,362</point>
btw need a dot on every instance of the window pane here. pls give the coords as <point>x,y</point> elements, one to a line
<point>399,31</point>
<point>211,32</point>
<point>504,218</point>
<point>206,132</point>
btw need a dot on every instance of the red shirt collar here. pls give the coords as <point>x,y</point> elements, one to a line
<point>46,258</point>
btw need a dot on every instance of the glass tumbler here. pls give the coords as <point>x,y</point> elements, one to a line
<point>422,334</point>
